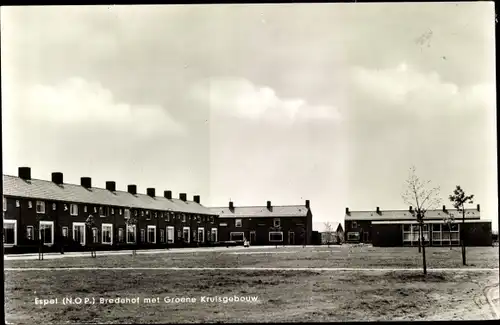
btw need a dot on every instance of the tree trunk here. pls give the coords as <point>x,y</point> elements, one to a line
<point>422,241</point>
<point>464,262</point>
<point>419,241</point>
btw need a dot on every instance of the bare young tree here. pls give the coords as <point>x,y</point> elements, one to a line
<point>328,233</point>
<point>449,220</point>
<point>130,222</point>
<point>420,195</point>
<point>458,199</point>
<point>90,223</point>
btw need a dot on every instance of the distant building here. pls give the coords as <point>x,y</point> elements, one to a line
<point>400,228</point>
<point>333,235</point>
<point>265,225</point>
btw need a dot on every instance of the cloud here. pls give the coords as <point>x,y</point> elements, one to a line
<point>79,102</point>
<point>410,88</point>
<point>241,98</point>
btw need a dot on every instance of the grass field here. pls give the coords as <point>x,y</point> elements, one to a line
<point>281,295</point>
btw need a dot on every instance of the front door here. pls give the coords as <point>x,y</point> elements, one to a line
<point>291,238</point>
<point>252,237</point>
<point>365,237</point>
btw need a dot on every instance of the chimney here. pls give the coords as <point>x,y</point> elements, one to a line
<point>132,189</point>
<point>183,196</point>
<point>269,206</point>
<point>167,194</point>
<point>57,178</point>
<point>347,211</point>
<point>444,208</point>
<point>411,208</point>
<point>151,192</point>
<point>378,210</point>
<point>196,199</point>
<point>24,173</point>
<point>478,208</point>
<point>307,204</point>
<point>86,182</point>
<point>231,206</point>
<point>111,186</point>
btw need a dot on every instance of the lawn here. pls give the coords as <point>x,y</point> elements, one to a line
<point>281,296</point>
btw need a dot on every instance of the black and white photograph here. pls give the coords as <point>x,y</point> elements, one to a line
<point>249,163</point>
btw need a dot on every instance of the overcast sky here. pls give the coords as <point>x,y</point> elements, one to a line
<point>331,103</point>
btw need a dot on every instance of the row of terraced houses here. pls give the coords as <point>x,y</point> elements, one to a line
<point>56,214</point>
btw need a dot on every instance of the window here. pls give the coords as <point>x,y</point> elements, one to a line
<point>101,212</point>
<point>18,204</point>
<point>212,219</point>
<point>214,234</point>
<point>183,217</point>
<point>30,204</point>
<point>65,232</point>
<point>4,204</point>
<point>198,218</point>
<point>107,233</point>
<point>162,236</point>
<point>121,236</point>
<point>142,213</point>
<point>9,232</point>
<point>54,206</point>
<point>135,213</point>
<point>201,235</point>
<point>276,222</point>
<point>29,232</point>
<point>354,224</point>
<point>238,223</point>
<point>276,236</point>
<point>120,212</point>
<point>223,224</point>
<point>170,234</point>
<point>185,234</point>
<point>354,236</point>
<point>148,216</point>
<point>112,211</point>
<point>95,210</point>
<point>236,236</point>
<point>95,235</point>
<point>131,229</point>
<point>155,215</point>
<point>127,213</point>
<point>167,216</point>
<point>152,234</point>
<point>40,207</point>
<point>195,236</point>
<point>108,211</point>
<point>411,234</point>
<point>85,208</point>
<point>46,232</point>
<point>143,236</point>
<point>73,209</point>
<point>65,207</point>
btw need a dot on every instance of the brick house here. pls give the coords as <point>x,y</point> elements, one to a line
<point>265,225</point>
<point>399,228</point>
<point>55,212</point>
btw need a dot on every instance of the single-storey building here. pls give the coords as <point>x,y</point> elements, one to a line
<point>400,228</point>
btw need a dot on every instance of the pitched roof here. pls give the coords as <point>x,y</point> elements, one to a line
<point>261,211</point>
<point>47,190</point>
<point>406,215</point>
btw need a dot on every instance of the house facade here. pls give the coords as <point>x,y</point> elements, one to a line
<point>265,225</point>
<point>400,228</point>
<point>56,213</point>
